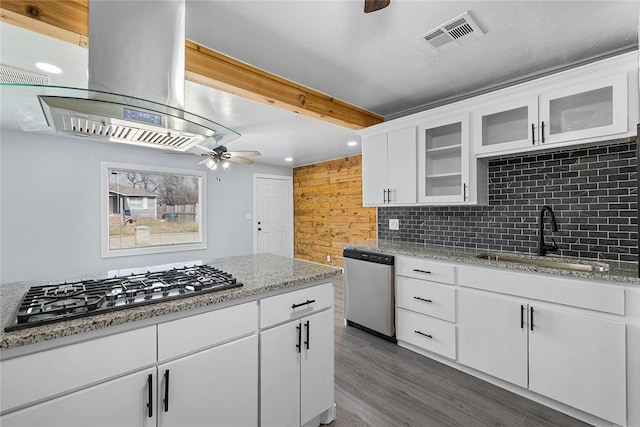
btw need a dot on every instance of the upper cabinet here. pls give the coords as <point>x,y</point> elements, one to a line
<point>506,126</point>
<point>443,160</point>
<point>566,112</point>
<point>595,108</point>
<point>440,156</point>
<point>389,168</point>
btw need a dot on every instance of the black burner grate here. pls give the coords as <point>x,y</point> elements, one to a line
<point>53,303</point>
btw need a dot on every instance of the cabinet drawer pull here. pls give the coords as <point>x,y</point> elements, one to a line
<point>423,334</point>
<point>307,302</point>
<point>150,391</point>
<point>306,325</point>
<point>417,270</point>
<point>166,391</point>
<point>422,299</point>
<point>298,345</point>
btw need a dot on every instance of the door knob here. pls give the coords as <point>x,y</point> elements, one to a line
<point>259,229</point>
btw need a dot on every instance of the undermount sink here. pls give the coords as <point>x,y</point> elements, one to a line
<point>550,263</point>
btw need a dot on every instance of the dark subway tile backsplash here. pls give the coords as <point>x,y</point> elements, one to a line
<point>593,193</point>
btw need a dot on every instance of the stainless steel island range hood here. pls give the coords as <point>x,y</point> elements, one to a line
<point>136,82</point>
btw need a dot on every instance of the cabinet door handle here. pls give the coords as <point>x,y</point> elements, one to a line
<point>307,302</point>
<point>150,391</point>
<point>384,195</point>
<point>531,318</point>
<point>166,390</point>
<point>422,299</point>
<point>299,329</point>
<point>423,334</point>
<point>543,132</point>
<point>533,134</point>
<point>464,192</point>
<point>306,325</point>
<point>388,195</point>
<point>521,316</point>
<point>417,270</point>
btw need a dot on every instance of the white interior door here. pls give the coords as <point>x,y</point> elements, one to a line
<point>273,213</point>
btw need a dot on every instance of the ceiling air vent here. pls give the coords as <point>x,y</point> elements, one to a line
<point>451,34</point>
<point>16,76</point>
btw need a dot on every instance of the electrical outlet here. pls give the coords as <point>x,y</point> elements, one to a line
<point>328,258</point>
<point>394,224</point>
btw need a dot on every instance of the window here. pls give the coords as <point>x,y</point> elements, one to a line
<point>151,210</point>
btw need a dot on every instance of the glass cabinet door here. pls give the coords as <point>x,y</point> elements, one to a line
<point>444,160</point>
<point>592,109</point>
<point>506,126</point>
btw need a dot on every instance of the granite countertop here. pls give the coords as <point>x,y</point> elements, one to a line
<point>619,272</point>
<point>259,274</point>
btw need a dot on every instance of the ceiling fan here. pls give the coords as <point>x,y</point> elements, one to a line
<point>221,157</point>
<point>375,5</point>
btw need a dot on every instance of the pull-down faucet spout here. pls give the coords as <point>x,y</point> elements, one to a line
<point>543,247</point>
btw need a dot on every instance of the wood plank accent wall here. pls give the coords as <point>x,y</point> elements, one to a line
<point>327,209</point>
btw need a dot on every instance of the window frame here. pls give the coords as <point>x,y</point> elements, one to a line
<point>107,252</point>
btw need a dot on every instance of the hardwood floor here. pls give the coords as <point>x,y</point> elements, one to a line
<point>379,384</point>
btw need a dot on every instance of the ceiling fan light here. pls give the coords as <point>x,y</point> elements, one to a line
<point>211,163</point>
<point>226,164</point>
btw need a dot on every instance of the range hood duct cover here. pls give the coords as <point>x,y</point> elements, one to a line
<point>136,84</point>
<point>137,48</point>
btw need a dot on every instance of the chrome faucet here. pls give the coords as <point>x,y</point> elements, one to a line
<point>543,247</point>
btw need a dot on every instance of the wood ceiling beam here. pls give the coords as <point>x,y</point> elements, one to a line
<point>67,21</point>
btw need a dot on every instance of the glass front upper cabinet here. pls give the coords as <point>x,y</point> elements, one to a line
<point>592,109</point>
<point>506,126</point>
<point>443,160</point>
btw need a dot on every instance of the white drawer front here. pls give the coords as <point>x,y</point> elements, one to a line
<point>427,333</point>
<point>295,304</point>
<point>421,268</point>
<point>426,297</point>
<point>40,375</point>
<point>204,330</point>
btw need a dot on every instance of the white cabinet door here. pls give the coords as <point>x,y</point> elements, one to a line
<point>509,126</point>
<point>443,160</point>
<point>120,402</point>
<point>591,109</point>
<point>215,387</point>
<point>374,170</point>
<point>492,335</point>
<point>316,380</point>
<point>579,360</point>
<point>389,168</point>
<point>401,166</point>
<point>280,375</point>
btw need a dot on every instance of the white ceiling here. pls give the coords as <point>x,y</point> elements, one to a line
<point>374,61</point>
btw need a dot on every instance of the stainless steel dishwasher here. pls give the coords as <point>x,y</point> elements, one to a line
<point>369,300</point>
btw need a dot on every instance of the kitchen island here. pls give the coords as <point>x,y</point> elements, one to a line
<point>207,344</point>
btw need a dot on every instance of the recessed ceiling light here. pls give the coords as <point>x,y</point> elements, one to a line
<point>352,143</point>
<point>288,159</point>
<point>48,68</point>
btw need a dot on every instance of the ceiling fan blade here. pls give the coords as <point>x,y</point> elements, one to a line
<point>237,159</point>
<point>182,153</point>
<point>375,5</point>
<point>244,153</point>
<point>203,161</point>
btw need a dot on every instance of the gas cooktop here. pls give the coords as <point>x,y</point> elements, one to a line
<point>53,303</point>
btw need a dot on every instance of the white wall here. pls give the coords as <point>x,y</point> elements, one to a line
<point>49,208</point>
